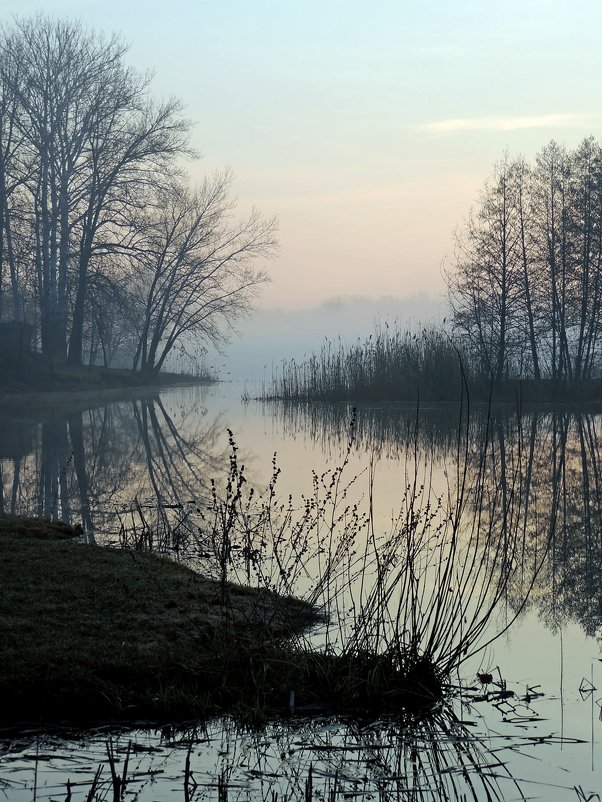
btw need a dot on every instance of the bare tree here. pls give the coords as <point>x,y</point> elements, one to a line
<point>91,141</point>
<point>91,180</point>
<point>586,236</point>
<point>529,320</point>
<point>195,269</point>
<point>484,282</point>
<point>11,178</point>
<point>526,286</point>
<point>551,202</point>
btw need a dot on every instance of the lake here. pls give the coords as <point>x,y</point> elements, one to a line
<point>139,472</point>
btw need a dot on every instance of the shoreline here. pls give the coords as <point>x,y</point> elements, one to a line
<point>41,404</point>
<point>36,374</point>
<point>94,634</point>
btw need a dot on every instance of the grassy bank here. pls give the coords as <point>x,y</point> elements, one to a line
<point>90,633</point>
<point>36,373</point>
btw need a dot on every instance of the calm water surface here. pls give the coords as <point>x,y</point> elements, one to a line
<point>108,465</point>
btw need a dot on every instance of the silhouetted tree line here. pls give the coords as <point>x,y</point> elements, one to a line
<point>104,246</point>
<point>526,283</point>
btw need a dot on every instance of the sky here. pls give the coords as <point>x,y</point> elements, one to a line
<point>367,128</point>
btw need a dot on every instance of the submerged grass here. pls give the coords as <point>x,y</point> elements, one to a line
<point>435,758</point>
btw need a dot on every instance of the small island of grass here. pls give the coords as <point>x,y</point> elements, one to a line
<point>91,633</point>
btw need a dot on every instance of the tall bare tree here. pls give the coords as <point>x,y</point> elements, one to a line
<point>91,142</point>
<point>526,286</point>
<point>12,177</point>
<point>92,184</point>
<point>484,283</point>
<point>551,201</point>
<point>195,268</point>
<point>586,235</point>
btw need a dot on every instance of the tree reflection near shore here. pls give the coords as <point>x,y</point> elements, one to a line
<point>98,466</point>
<point>137,466</point>
<point>548,464</point>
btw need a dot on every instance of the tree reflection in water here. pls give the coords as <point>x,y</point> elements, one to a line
<point>121,463</point>
<point>550,461</point>
<point>137,467</point>
<point>103,465</point>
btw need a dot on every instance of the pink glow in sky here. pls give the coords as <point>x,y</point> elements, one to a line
<point>368,128</point>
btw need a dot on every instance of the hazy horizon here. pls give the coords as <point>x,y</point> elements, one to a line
<point>276,334</point>
<point>368,131</point>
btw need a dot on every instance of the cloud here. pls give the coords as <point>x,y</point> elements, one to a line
<point>459,125</point>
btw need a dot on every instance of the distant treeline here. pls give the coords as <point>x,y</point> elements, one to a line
<point>525,294</point>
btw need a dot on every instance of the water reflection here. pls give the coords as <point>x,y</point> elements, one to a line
<point>437,759</point>
<point>564,492</point>
<point>547,468</point>
<point>500,747</point>
<point>383,431</point>
<point>144,461</point>
<point>151,456</point>
<point>94,466</point>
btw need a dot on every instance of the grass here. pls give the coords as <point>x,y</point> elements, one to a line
<point>89,632</point>
<point>36,373</point>
<point>389,366</point>
<point>393,366</point>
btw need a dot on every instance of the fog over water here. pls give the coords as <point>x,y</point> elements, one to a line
<point>272,335</point>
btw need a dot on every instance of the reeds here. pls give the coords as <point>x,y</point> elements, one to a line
<point>423,760</point>
<point>404,607</point>
<point>390,365</point>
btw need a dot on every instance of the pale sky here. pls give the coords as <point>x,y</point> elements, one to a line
<point>368,128</point>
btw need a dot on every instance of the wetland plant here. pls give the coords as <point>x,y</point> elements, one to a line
<point>403,607</point>
<point>390,365</point>
<point>431,758</point>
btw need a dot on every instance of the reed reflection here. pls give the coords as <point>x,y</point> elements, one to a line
<point>435,759</point>
<point>382,431</point>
